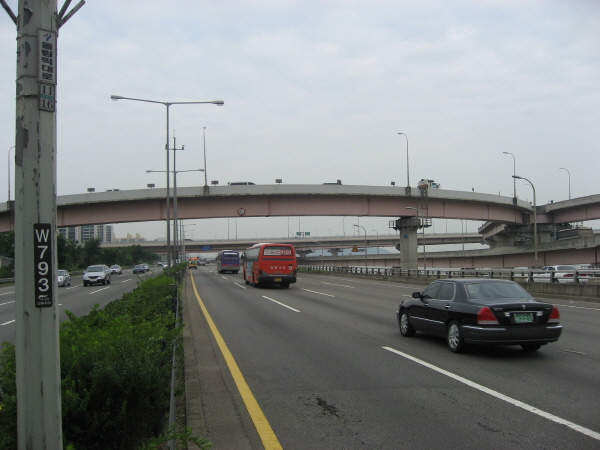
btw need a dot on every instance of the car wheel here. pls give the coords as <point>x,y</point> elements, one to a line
<point>85,283</point>
<point>455,340</point>
<point>69,283</point>
<point>531,347</point>
<point>406,329</point>
<point>108,281</point>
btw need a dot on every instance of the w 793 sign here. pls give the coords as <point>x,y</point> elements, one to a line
<point>42,259</point>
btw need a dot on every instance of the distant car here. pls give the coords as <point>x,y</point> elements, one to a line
<point>116,269</point>
<point>241,183</point>
<point>193,264</point>
<point>64,278</point>
<point>139,268</point>
<point>201,263</point>
<point>560,274</point>
<point>146,267</point>
<point>98,274</point>
<point>476,311</point>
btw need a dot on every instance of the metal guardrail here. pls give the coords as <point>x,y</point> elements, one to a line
<point>7,280</point>
<point>579,276</point>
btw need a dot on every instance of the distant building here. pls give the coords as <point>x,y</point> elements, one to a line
<point>84,233</point>
<point>105,233</point>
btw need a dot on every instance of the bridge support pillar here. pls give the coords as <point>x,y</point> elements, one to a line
<point>408,227</point>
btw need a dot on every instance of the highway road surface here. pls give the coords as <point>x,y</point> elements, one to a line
<point>328,369</point>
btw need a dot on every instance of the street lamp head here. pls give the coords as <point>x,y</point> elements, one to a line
<point>218,103</point>
<point>517,177</point>
<point>116,97</point>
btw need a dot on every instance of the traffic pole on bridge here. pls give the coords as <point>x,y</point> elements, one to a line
<point>39,422</point>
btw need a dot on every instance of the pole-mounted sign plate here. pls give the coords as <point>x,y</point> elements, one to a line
<point>42,260</point>
<point>47,56</point>
<point>47,97</point>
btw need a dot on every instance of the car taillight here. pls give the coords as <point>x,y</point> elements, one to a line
<point>485,316</point>
<point>554,315</point>
<point>568,275</point>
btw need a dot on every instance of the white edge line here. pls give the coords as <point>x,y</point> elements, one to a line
<point>7,303</point>
<point>579,307</point>
<point>341,285</point>
<point>282,304</point>
<point>6,323</point>
<point>500,396</point>
<point>108,287</point>
<point>240,286</point>
<point>315,292</point>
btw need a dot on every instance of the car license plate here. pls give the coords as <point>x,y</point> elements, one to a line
<point>277,279</point>
<point>523,317</point>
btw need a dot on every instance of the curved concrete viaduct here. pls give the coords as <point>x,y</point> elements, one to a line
<point>505,217</point>
<point>285,200</point>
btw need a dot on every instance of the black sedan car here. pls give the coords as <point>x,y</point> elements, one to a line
<point>480,311</point>
<point>139,268</point>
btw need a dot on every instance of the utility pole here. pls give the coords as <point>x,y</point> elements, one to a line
<point>39,422</point>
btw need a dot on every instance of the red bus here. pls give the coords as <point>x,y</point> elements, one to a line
<point>270,264</point>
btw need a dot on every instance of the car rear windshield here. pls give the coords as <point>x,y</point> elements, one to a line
<point>495,291</point>
<point>61,273</point>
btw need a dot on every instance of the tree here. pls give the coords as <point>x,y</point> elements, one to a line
<point>92,252</point>
<point>7,244</point>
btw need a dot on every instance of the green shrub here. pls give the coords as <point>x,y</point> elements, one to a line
<point>8,397</point>
<point>115,371</point>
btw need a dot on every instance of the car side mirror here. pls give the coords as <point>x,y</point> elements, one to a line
<point>416,295</point>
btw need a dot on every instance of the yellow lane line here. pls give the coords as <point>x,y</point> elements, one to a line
<point>268,437</point>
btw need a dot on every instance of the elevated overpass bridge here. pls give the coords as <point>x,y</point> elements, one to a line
<point>500,213</point>
<point>331,243</point>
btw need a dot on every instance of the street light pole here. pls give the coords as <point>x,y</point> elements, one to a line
<point>366,257</point>
<point>377,240</point>
<point>182,226</point>
<point>423,227</point>
<point>322,253</point>
<point>562,168</point>
<point>462,232</point>
<point>407,171</point>
<point>205,175</point>
<point>167,104</point>
<point>176,243</point>
<point>534,217</point>
<point>514,173</point>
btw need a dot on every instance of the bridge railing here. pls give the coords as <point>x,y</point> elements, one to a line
<point>525,275</point>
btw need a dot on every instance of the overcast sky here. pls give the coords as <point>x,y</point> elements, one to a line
<point>317,91</point>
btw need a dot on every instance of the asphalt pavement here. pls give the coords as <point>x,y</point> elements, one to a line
<point>214,408</point>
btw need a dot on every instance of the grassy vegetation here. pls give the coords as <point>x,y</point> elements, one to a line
<point>116,370</point>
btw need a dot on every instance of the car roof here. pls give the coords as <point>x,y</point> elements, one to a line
<point>474,280</point>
